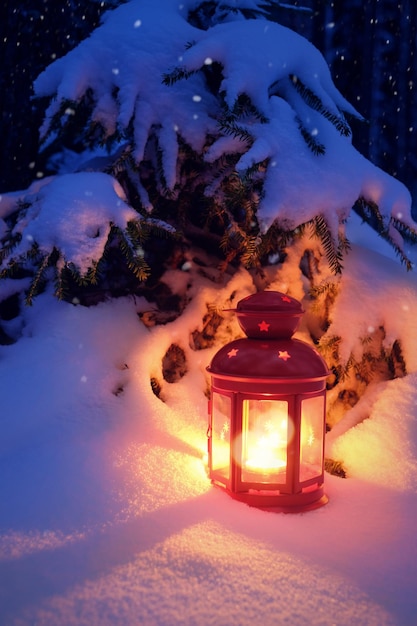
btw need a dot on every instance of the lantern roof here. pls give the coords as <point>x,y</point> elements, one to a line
<point>268,315</point>
<point>273,301</point>
<point>289,359</point>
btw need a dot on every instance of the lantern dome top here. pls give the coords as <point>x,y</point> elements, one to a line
<point>268,315</point>
<point>269,301</point>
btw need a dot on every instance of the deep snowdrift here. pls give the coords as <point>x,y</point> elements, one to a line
<point>107,514</point>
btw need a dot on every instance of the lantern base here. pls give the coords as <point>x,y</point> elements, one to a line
<point>281,503</point>
<point>297,509</point>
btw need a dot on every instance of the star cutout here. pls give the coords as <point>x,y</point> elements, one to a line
<point>286,299</point>
<point>284,355</point>
<point>264,326</point>
<point>233,352</point>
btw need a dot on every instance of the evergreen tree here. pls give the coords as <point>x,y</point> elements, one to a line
<point>244,150</point>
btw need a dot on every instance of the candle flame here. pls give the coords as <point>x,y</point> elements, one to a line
<point>268,454</point>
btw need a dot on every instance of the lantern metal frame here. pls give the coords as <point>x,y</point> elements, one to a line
<point>258,375</point>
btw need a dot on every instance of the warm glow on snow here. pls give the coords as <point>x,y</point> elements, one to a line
<point>110,514</point>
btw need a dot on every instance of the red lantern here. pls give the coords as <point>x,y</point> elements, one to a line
<point>267,409</point>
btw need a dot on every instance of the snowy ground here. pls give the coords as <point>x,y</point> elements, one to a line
<point>107,516</point>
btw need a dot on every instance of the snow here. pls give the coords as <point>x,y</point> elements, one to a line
<point>384,447</point>
<point>108,516</point>
<point>281,52</point>
<point>73,214</point>
<point>123,64</point>
<point>128,56</point>
<point>376,303</point>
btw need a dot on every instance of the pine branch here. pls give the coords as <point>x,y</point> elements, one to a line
<point>66,110</point>
<point>243,107</point>
<point>82,280</point>
<point>134,255</point>
<point>400,253</point>
<point>160,170</point>
<point>93,274</point>
<point>344,243</point>
<point>370,214</point>
<point>232,128</point>
<point>122,162</point>
<point>11,269</point>
<point>254,172</point>
<point>219,171</point>
<point>250,254</point>
<point>231,120</point>
<point>408,233</point>
<point>150,226</point>
<point>276,239</point>
<point>335,468</point>
<point>231,255</point>
<point>368,365</point>
<point>342,371</point>
<point>9,245</point>
<point>328,346</point>
<point>325,288</point>
<point>237,242</point>
<point>37,280</point>
<point>333,254</point>
<point>178,73</point>
<point>316,104</point>
<point>315,146</point>
<point>61,285</point>
<point>72,122</point>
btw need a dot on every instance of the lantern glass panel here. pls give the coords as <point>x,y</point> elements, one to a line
<point>311,437</point>
<point>265,434</point>
<point>220,457</point>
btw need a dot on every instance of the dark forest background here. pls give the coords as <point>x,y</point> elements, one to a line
<point>369,45</point>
